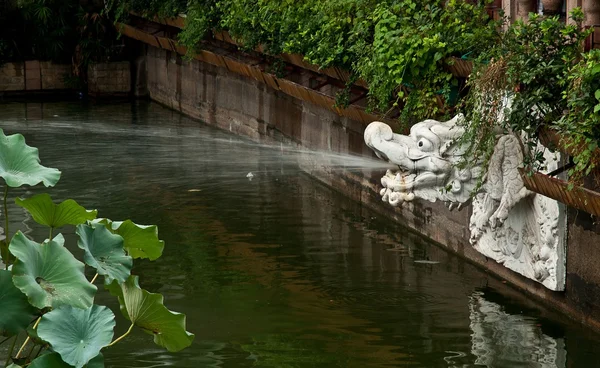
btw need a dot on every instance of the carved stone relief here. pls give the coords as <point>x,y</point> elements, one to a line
<point>522,230</point>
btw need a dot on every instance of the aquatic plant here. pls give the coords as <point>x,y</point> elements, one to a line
<point>44,293</point>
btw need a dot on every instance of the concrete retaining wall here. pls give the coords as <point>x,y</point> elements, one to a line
<point>33,76</point>
<point>109,78</point>
<point>12,77</point>
<point>246,107</point>
<point>103,78</point>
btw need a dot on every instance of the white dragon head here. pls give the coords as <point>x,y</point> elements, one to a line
<point>428,159</point>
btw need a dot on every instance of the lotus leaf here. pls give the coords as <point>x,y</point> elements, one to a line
<point>141,241</point>
<point>20,163</point>
<point>77,334</point>
<point>53,360</point>
<point>146,310</point>
<point>17,313</point>
<point>46,212</point>
<point>49,274</point>
<point>104,251</point>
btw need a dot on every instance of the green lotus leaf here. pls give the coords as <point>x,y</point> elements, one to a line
<point>141,241</point>
<point>53,360</point>
<point>77,334</point>
<point>146,310</point>
<point>46,212</point>
<point>49,274</point>
<point>104,251</point>
<point>20,163</point>
<point>17,313</point>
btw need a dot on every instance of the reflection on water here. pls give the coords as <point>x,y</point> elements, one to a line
<point>278,271</point>
<point>502,339</point>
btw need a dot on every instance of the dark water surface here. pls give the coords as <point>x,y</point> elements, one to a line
<point>278,271</point>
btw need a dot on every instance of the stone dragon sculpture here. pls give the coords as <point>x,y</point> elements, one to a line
<point>428,160</point>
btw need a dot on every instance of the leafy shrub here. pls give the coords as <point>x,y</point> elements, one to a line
<point>396,46</point>
<point>519,86</point>
<point>580,125</point>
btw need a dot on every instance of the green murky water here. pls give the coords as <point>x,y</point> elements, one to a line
<point>278,271</point>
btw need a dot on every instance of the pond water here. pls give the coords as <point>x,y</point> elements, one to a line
<point>277,271</point>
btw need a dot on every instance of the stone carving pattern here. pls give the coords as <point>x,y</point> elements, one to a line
<point>515,227</point>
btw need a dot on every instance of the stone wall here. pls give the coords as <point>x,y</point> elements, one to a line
<point>249,108</point>
<point>33,76</point>
<point>12,77</point>
<point>103,78</point>
<point>53,75</point>
<point>109,78</point>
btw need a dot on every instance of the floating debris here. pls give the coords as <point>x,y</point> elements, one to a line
<point>250,176</point>
<point>424,261</point>
<point>194,190</point>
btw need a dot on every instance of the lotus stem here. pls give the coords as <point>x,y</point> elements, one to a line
<point>30,352</point>
<point>50,236</point>
<point>122,336</point>
<point>42,347</point>
<point>5,340</point>
<point>94,278</point>
<point>28,338</point>
<point>6,238</point>
<point>10,351</point>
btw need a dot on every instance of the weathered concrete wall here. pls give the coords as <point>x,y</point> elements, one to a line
<point>12,77</point>
<point>33,76</point>
<point>246,107</point>
<point>109,78</point>
<point>53,75</point>
<point>103,78</point>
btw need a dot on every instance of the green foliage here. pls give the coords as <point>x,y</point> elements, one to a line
<point>53,360</point>
<point>47,28</point>
<point>146,310</point>
<point>399,47</point>
<point>46,281</point>
<point>49,274</point>
<point>20,163</point>
<point>46,212</point>
<point>202,16</point>
<point>77,335</point>
<point>581,123</point>
<point>104,251</point>
<point>519,85</point>
<point>412,41</point>
<point>141,241</point>
<point>161,8</point>
<point>17,313</point>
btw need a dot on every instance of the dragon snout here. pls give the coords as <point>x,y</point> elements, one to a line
<point>377,131</point>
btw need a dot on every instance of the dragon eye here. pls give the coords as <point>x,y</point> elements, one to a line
<point>424,144</point>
